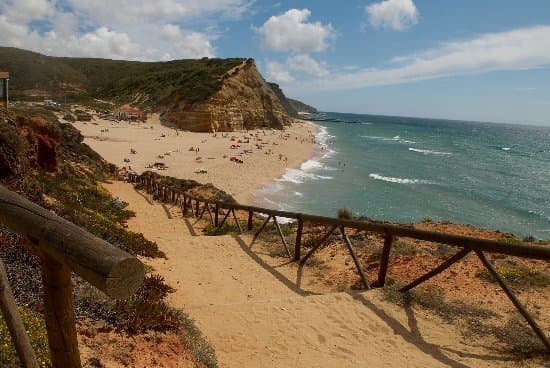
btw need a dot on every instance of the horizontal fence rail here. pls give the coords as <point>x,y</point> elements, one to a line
<point>467,244</point>
<point>64,248</point>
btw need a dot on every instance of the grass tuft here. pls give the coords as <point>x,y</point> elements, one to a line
<point>36,330</point>
<point>212,230</point>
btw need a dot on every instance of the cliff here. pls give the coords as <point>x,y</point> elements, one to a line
<point>299,106</point>
<point>290,110</point>
<point>244,101</point>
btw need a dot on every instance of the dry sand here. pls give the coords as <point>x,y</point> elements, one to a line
<point>237,179</point>
<point>261,311</point>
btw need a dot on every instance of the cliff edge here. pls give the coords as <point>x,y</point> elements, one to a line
<point>244,101</point>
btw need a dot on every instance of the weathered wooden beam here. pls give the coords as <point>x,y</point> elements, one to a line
<point>59,314</point>
<point>260,230</point>
<point>355,258</point>
<point>237,221</point>
<point>250,223</point>
<point>225,218</point>
<point>184,204</point>
<point>110,269</point>
<point>384,260</point>
<point>536,328</point>
<point>209,213</point>
<point>443,266</point>
<point>319,243</point>
<point>298,245</point>
<point>19,336</point>
<point>201,212</point>
<point>282,236</point>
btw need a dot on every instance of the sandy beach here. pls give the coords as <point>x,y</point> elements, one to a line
<point>205,157</point>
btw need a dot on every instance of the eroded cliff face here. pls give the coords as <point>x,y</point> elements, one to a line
<point>244,101</point>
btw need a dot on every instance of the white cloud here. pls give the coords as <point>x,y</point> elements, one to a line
<point>118,29</point>
<point>186,45</point>
<point>291,31</point>
<point>115,13</point>
<point>278,72</point>
<point>393,14</point>
<point>306,64</point>
<point>25,10</point>
<point>524,48</point>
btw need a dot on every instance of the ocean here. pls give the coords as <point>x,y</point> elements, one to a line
<point>494,176</point>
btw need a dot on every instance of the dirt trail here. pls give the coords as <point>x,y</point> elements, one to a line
<point>257,310</point>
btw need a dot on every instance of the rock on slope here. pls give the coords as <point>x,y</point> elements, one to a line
<point>244,101</point>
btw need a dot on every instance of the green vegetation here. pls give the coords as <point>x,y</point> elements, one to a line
<point>83,79</point>
<point>510,239</point>
<point>514,336</point>
<point>212,230</point>
<point>69,117</point>
<point>519,275</point>
<point>36,330</point>
<point>433,298</point>
<point>345,214</point>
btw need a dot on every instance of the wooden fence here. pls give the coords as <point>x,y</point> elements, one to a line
<point>63,248</point>
<point>198,206</point>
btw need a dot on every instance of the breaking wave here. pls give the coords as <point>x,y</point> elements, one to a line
<point>398,180</point>
<point>430,152</point>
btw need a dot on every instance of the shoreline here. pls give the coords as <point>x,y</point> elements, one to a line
<point>252,196</point>
<point>265,154</point>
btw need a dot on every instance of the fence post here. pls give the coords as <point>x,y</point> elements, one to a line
<point>384,260</point>
<point>26,355</point>
<point>59,314</point>
<point>298,245</point>
<point>249,224</point>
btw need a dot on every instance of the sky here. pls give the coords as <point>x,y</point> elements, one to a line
<point>483,60</point>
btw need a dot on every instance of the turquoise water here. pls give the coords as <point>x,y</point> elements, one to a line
<point>404,169</point>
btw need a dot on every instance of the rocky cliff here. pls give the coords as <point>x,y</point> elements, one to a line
<point>244,101</point>
<point>299,106</point>
<point>289,109</point>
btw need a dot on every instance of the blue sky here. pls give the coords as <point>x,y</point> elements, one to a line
<point>473,60</point>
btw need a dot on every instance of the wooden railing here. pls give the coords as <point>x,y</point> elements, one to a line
<point>192,203</point>
<point>63,248</point>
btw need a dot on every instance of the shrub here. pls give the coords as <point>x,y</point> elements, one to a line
<point>518,275</point>
<point>510,239</point>
<point>212,230</point>
<point>345,214</point>
<point>433,298</point>
<point>36,330</point>
<point>69,117</point>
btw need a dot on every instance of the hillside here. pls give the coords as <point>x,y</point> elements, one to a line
<point>299,106</point>
<point>198,95</point>
<point>147,83</point>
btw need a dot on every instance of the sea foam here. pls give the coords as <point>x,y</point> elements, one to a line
<point>430,152</point>
<point>398,180</point>
<point>396,139</point>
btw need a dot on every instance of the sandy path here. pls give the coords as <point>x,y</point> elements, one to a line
<point>251,309</point>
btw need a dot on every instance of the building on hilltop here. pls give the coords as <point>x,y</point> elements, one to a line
<point>127,112</point>
<point>4,77</point>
